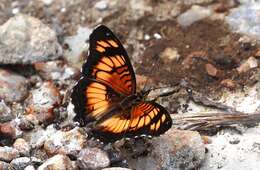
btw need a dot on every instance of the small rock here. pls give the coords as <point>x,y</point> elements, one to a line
<point>25,40</point>
<point>9,130</point>
<point>195,13</point>
<point>248,22</point>
<point>77,45</point>
<point>175,149</point>
<point>57,162</point>
<point>191,2</point>
<point>170,54</point>
<point>30,167</point>
<point>5,112</point>
<point>157,36</point>
<point>92,158</point>
<point>47,2</point>
<point>116,168</point>
<point>56,70</point>
<point>43,101</point>
<point>39,136</point>
<point>228,83</point>
<point>20,163</point>
<point>247,65</point>
<point>70,142</point>
<point>22,146</point>
<point>13,87</point>
<point>101,5</point>
<point>25,124</point>
<point>7,154</point>
<point>213,71</point>
<point>5,166</point>
<point>257,54</point>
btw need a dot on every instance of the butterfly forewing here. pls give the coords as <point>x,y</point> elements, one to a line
<point>109,63</point>
<point>93,99</point>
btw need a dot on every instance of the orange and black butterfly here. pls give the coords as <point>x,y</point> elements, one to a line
<point>106,94</point>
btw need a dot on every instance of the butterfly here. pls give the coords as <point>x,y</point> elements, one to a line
<point>106,94</point>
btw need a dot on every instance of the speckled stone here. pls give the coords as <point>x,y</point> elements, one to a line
<point>92,158</point>
<point>25,40</point>
<point>13,87</point>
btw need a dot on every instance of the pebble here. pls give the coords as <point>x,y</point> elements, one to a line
<point>56,70</point>
<point>22,146</point>
<point>70,142</point>
<point>30,167</point>
<point>7,153</point>
<point>92,158</point>
<point>5,112</point>
<point>257,54</point>
<point>191,2</point>
<point>5,166</point>
<point>9,130</point>
<point>250,63</point>
<point>39,136</point>
<point>194,14</point>
<point>176,149</point>
<point>57,162</point>
<point>248,22</point>
<point>157,36</point>
<point>13,87</point>
<point>213,71</point>
<point>25,124</point>
<point>228,83</point>
<point>42,102</point>
<point>116,168</point>
<point>20,163</point>
<point>25,40</point>
<point>101,5</point>
<point>77,45</point>
<point>47,2</point>
<point>170,54</point>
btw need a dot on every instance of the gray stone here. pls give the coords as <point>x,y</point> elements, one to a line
<point>5,112</point>
<point>195,13</point>
<point>175,150</point>
<point>25,40</point>
<point>5,166</point>
<point>69,142</point>
<point>248,22</point>
<point>20,163</point>
<point>13,87</point>
<point>92,158</point>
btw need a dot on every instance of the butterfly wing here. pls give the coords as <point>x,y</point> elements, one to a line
<point>107,78</point>
<point>147,118</point>
<point>92,100</point>
<point>108,62</point>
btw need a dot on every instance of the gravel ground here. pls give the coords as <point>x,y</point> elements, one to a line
<point>210,46</point>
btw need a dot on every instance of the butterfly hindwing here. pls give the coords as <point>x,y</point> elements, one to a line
<point>109,62</point>
<point>147,118</point>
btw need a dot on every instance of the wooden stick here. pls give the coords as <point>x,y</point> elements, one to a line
<point>209,121</point>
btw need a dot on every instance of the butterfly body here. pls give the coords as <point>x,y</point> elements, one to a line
<point>106,94</point>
